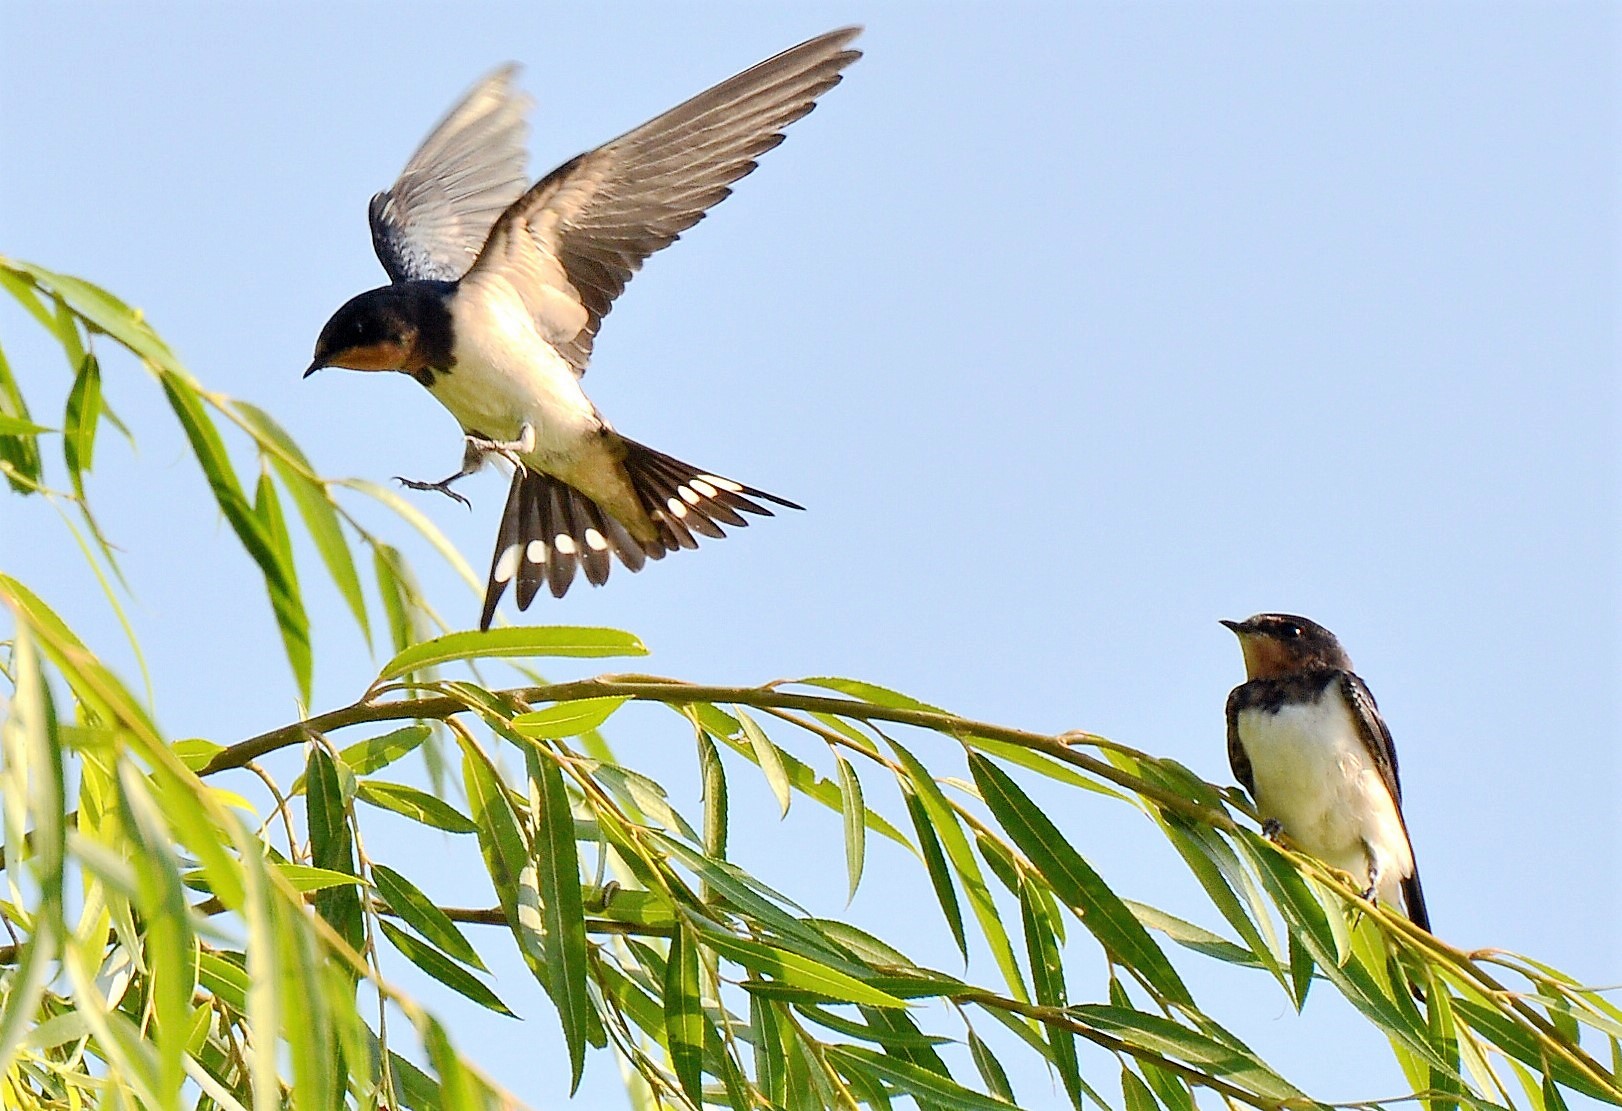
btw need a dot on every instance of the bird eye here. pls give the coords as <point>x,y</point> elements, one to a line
<point>1289,630</point>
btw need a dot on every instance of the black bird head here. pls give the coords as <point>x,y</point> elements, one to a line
<point>378,330</point>
<point>1279,644</point>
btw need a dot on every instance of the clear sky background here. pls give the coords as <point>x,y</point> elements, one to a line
<point>1075,327</point>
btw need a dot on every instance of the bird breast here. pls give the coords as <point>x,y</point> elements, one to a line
<point>1315,777</point>
<point>506,375</point>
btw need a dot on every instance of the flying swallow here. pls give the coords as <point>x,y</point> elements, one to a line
<point>498,287</point>
<point>1307,741</point>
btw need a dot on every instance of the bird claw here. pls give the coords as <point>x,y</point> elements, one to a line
<point>443,486</point>
<point>1272,829</point>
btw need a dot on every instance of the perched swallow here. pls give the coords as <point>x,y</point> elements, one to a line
<point>1308,743</point>
<point>498,288</point>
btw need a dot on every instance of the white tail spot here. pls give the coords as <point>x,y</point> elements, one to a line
<point>677,508</point>
<point>723,483</point>
<point>687,495</point>
<point>564,543</point>
<point>536,552</point>
<point>703,487</point>
<point>507,565</point>
<point>595,541</point>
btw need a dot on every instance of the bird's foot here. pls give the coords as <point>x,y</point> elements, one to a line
<point>509,450</point>
<point>1272,829</point>
<point>443,486</point>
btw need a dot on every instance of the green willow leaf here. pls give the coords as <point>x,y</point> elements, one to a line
<point>285,598</point>
<point>212,457</point>
<point>714,776</point>
<point>1074,880</point>
<point>443,969</point>
<point>500,839</point>
<point>315,505</point>
<point>458,1089</point>
<point>930,1089</point>
<point>1163,1037</point>
<point>869,692</point>
<point>854,812</point>
<point>12,426</point>
<point>684,1016</point>
<point>959,852</point>
<point>396,588</point>
<point>1520,1043</point>
<point>79,422</point>
<point>558,863</point>
<point>768,757</point>
<point>766,1038</point>
<point>1309,922</point>
<point>420,913</point>
<point>376,753</point>
<point>332,846</point>
<point>19,449</point>
<point>990,1069</point>
<point>940,877</point>
<point>1047,977</point>
<point>567,719</point>
<point>1135,1094</point>
<point>795,970</point>
<point>415,804</point>
<point>541,640</point>
<point>305,879</point>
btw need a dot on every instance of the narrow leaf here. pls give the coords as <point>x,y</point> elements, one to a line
<point>443,969</point>
<point>1074,880</point>
<point>767,756</point>
<point>542,640</point>
<point>854,812</point>
<point>927,1087</point>
<point>415,804</point>
<point>567,719</point>
<point>558,862</point>
<point>684,1016</point>
<point>421,914</point>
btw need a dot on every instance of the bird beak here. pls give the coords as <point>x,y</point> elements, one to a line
<point>1236,627</point>
<point>315,366</point>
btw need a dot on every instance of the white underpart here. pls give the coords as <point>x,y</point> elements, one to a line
<point>677,508</point>
<point>507,565</point>
<point>536,551</point>
<point>1315,778</point>
<point>506,376</point>
<point>723,483</point>
<point>595,541</point>
<point>703,487</point>
<point>564,543</point>
<point>687,495</point>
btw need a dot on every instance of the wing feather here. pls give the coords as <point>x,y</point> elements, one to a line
<point>572,242</point>
<point>432,221</point>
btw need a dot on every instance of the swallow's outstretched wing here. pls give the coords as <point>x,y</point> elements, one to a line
<point>570,244</point>
<point>432,221</point>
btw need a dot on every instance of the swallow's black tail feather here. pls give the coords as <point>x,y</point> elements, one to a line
<point>682,499</point>
<point>1413,897</point>
<point>549,528</point>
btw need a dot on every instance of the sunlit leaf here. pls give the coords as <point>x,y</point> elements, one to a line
<point>421,914</point>
<point>415,804</point>
<point>529,640</point>
<point>566,719</point>
<point>684,1016</point>
<point>443,969</point>
<point>769,759</point>
<point>1074,880</point>
<point>558,863</point>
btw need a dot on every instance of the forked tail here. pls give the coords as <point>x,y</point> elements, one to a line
<point>549,528</point>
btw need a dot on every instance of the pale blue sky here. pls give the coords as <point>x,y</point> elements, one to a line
<point>1075,327</point>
